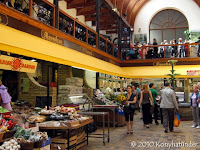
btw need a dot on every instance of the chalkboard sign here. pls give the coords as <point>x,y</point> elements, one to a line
<point>125,38</point>
<point>41,101</point>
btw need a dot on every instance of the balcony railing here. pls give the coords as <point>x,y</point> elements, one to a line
<point>44,11</point>
<point>191,50</point>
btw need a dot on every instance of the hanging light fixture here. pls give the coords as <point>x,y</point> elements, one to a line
<point>114,7</point>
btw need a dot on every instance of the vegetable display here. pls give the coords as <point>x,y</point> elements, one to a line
<point>3,110</point>
<point>10,145</point>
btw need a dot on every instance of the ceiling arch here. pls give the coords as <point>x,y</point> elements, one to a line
<point>197,2</point>
<point>130,8</point>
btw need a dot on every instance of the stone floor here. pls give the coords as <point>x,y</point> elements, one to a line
<point>152,138</point>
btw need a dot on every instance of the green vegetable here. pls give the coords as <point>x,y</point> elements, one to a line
<point>3,110</point>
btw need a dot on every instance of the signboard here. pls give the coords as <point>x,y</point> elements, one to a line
<point>125,39</point>
<point>17,64</point>
<point>193,73</point>
<point>52,38</point>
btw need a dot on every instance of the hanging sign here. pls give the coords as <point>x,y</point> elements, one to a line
<point>17,64</point>
<point>193,73</point>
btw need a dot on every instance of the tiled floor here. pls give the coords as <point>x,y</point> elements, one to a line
<point>152,138</point>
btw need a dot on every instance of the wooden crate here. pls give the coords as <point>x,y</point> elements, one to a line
<point>122,121</point>
<point>81,136</point>
<point>43,148</point>
<point>62,145</point>
<point>81,145</point>
<point>60,139</point>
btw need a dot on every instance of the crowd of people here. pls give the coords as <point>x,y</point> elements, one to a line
<point>173,48</point>
<point>146,98</point>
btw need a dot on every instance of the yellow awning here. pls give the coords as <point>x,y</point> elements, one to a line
<point>18,42</point>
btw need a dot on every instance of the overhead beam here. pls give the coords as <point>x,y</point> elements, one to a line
<point>111,31</point>
<point>102,18</point>
<point>108,28</point>
<point>81,5</point>
<point>92,12</point>
<point>118,13</point>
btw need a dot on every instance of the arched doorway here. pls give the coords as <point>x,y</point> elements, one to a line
<point>167,25</point>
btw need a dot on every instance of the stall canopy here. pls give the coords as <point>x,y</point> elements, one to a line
<point>18,42</point>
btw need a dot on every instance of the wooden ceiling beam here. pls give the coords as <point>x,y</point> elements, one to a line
<point>108,28</point>
<point>111,31</point>
<point>81,5</point>
<point>92,12</point>
<point>102,18</point>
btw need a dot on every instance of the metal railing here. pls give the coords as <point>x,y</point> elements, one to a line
<point>44,11</point>
<point>187,50</point>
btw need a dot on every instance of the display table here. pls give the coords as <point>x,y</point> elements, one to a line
<point>61,126</point>
<point>99,114</point>
<point>109,107</point>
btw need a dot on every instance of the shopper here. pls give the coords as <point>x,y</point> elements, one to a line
<point>144,51</point>
<point>154,95</point>
<point>155,52</point>
<point>146,100</point>
<point>198,47</point>
<point>128,108</point>
<point>186,48</point>
<point>134,91</point>
<point>194,105</point>
<point>171,48</point>
<point>181,51</point>
<point>175,49</point>
<point>161,50</point>
<point>5,97</point>
<point>167,51</point>
<point>168,105</point>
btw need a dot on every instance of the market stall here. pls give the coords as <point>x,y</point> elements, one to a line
<point>112,103</point>
<point>27,128</point>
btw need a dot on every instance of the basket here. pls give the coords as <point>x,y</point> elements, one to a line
<point>1,136</point>
<point>27,146</point>
<point>38,144</point>
<point>9,134</point>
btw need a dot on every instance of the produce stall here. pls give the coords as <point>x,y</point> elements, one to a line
<point>112,103</point>
<point>27,128</point>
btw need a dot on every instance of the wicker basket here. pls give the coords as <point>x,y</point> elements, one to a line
<point>9,134</point>
<point>1,136</point>
<point>38,144</point>
<point>27,146</point>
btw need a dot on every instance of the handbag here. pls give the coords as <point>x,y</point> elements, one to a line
<point>177,120</point>
<point>135,106</point>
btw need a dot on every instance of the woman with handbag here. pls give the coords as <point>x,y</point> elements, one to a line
<point>146,100</point>
<point>129,108</point>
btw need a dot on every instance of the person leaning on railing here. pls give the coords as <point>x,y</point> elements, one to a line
<point>198,47</point>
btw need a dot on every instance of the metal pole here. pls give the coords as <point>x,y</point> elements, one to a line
<point>97,80</point>
<point>98,5</point>
<point>56,14</point>
<point>119,35</point>
<point>48,88</point>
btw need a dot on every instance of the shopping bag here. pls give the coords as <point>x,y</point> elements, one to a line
<point>177,120</point>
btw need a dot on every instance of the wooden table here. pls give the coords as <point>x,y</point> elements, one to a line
<point>110,107</point>
<point>67,128</point>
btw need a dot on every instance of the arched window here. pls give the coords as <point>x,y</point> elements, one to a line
<point>167,25</point>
